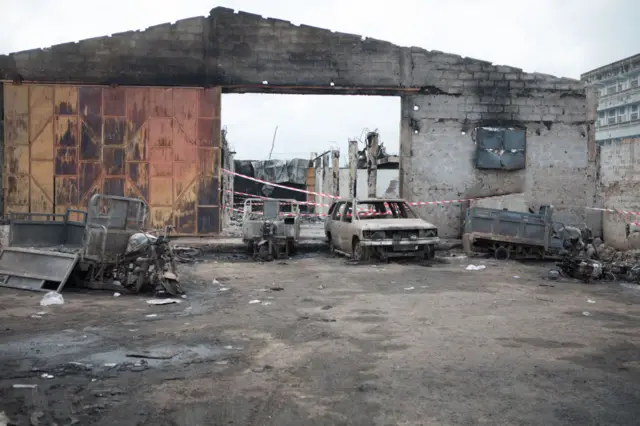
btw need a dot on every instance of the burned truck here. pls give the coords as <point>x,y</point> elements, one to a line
<point>271,228</point>
<point>104,247</point>
<point>508,234</point>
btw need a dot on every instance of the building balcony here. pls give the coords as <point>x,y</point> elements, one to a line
<point>626,97</point>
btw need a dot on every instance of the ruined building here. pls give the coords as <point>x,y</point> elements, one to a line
<point>139,113</point>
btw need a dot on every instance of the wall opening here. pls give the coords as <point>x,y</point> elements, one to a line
<point>279,127</point>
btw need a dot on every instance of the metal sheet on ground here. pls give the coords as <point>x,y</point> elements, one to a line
<point>37,270</point>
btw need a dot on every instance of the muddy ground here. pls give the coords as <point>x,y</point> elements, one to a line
<point>329,343</point>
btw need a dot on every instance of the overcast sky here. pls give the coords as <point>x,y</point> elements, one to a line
<point>561,37</point>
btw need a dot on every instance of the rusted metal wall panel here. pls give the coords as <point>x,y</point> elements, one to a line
<point>64,143</point>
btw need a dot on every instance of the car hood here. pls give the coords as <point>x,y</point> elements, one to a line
<point>393,224</point>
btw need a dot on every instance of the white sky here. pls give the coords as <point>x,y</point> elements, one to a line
<point>561,37</point>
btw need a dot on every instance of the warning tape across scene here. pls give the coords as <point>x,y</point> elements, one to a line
<point>412,203</point>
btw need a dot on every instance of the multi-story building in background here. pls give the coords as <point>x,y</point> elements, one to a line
<point>618,87</point>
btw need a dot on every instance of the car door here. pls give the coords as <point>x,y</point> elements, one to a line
<point>345,227</point>
<point>335,224</point>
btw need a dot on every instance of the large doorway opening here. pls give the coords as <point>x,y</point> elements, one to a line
<point>274,136</point>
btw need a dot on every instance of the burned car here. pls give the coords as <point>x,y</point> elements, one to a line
<point>384,228</point>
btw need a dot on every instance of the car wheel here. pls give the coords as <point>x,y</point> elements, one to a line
<point>429,252</point>
<point>360,252</point>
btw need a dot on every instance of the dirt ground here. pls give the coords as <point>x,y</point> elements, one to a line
<point>329,343</point>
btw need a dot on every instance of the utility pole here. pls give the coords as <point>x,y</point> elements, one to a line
<point>372,163</point>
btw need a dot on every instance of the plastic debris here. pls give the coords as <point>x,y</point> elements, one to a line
<point>24,386</point>
<point>162,301</point>
<point>46,376</point>
<point>116,294</point>
<point>591,301</point>
<point>475,268</point>
<point>266,303</point>
<point>151,315</point>
<point>4,420</point>
<point>228,347</point>
<point>52,298</point>
<point>110,364</point>
<point>586,314</point>
<point>216,282</point>
<point>553,274</point>
<point>516,277</point>
<point>253,302</point>
<point>224,288</point>
<point>409,288</point>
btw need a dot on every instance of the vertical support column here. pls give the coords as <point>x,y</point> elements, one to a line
<point>372,164</point>
<point>353,168</point>
<point>335,170</point>
<point>2,149</point>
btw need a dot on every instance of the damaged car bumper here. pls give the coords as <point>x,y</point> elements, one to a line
<point>389,242</point>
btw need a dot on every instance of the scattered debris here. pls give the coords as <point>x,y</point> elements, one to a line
<point>546,285</point>
<point>591,301</point>
<point>162,301</point>
<point>116,294</point>
<point>326,307</point>
<point>516,277</point>
<point>276,288</point>
<point>586,314</point>
<point>228,347</point>
<point>4,420</point>
<point>24,386</point>
<point>34,418</point>
<point>553,275</point>
<point>544,299</point>
<point>409,288</point>
<point>46,376</point>
<point>110,364</point>
<point>266,303</point>
<point>253,302</point>
<point>262,369</point>
<point>52,298</point>
<point>215,282</point>
<point>151,315</point>
<point>149,356</point>
<point>223,289</point>
<point>475,268</point>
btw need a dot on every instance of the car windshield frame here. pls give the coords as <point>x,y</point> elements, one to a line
<point>382,209</point>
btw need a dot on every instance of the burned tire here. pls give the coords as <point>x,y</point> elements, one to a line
<point>502,253</point>
<point>332,246</point>
<point>360,253</point>
<point>429,252</point>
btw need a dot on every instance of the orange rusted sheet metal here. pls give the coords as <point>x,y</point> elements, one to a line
<point>64,143</point>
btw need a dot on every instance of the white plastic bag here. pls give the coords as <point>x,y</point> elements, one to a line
<point>52,298</point>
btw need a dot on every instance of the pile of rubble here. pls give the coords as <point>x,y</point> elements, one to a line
<point>609,254</point>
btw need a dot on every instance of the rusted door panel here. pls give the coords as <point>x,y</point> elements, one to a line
<point>63,143</point>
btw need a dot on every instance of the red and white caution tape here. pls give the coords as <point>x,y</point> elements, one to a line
<point>280,186</point>
<point>308,203</point>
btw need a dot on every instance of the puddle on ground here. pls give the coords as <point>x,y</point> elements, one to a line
<point>175,354</point>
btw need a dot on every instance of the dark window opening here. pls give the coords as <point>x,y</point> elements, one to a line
<point>500,148</point>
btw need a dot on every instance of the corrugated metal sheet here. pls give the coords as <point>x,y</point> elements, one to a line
<point>64,143</point>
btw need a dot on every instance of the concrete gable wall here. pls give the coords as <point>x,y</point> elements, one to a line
<point>444,96</point>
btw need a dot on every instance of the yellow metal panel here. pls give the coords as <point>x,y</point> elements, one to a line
<point>42,143</point>
<point>16,99</point>
<point>40,110</point>
<point>41,196</point>
<point>66,100</point>
<point>17,160</point>
<point>17,130</point>
<point>160,216</point>
<point>160,193</point>
<point>17,193</point>
<point>185,211</point>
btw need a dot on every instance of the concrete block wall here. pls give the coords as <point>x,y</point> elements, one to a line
<point>444,96</point>
<point>620,188</point>
<point>438,147</point>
